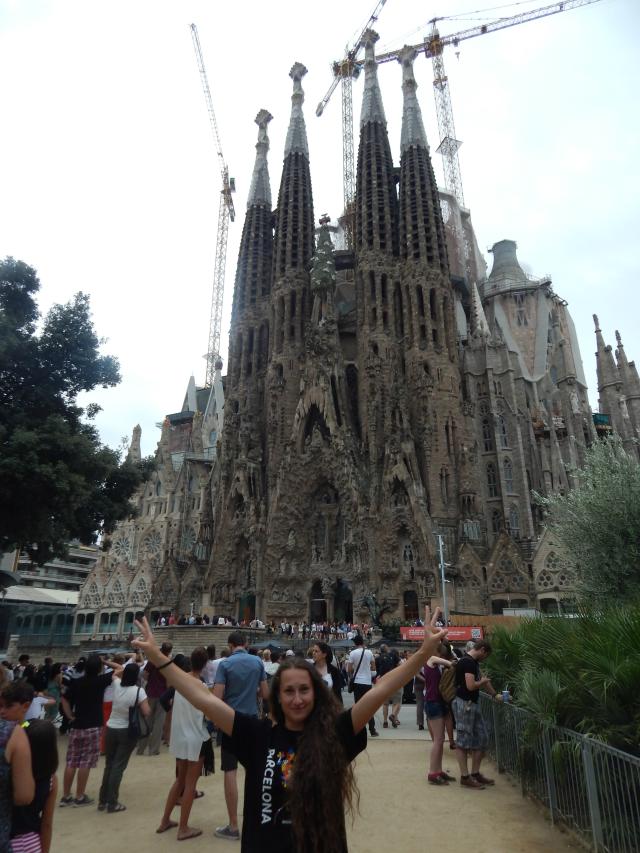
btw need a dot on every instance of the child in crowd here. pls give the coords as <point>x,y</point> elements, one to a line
<point>19,702</point>
<point>32,824</point>
<point>16,699</point>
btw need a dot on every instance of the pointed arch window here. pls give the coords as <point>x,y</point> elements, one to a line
<point>432,305</point>
<point>398,315</point>
<point>496,521</point>
<point>508,474</point>
<point>444,485</point>
<point>514,521</point>
<point>492,480</point>
<point>487,434</point>
<point>502,431</point>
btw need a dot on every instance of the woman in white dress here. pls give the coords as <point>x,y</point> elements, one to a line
<point>188,735</point>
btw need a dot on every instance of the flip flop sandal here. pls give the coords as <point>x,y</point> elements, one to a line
<point>193,834</point>
<point>171,825</point>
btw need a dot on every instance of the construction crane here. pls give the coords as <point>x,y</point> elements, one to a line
<point>345,71</point>
<point>433,47</point>
<point>226,212</point>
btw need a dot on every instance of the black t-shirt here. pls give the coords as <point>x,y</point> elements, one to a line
<point>385,663</point>
<point>464,665</point>
<point>85,697</point>
<point>268,755</point>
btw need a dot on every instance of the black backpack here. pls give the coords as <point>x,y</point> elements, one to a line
<point>384,664</point>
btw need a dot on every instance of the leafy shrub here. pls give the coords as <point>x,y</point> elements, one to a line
<point>581,673</point>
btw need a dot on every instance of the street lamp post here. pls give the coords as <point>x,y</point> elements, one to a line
<point>445,609</point>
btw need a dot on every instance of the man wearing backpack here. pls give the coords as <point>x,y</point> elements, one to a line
<point>386,661</point>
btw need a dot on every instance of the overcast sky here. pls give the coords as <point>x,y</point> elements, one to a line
<point>110,182</point>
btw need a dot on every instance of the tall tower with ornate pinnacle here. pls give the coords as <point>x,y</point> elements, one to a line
<point>240,493</point>
<point>290,295</point>
<point>376,246</point>
<point>429,344</point>
<point>618,389</point>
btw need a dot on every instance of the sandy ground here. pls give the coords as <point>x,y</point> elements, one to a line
<point>399,810</point>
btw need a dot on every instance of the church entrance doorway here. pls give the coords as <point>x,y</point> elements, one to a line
<point>410,605</point>
<point>317,604</point>
<point>343,603</point>
<point>247,608</point>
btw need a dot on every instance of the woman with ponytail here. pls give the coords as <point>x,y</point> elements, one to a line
<point>298,773</point>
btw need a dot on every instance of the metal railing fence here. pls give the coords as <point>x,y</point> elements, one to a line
<point>590,787</point>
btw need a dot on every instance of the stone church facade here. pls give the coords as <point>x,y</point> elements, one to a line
<point>378,397</point>
<point>155,562</point>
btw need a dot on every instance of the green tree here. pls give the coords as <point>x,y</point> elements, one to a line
<point>57,480</point>
<point>597,524</point>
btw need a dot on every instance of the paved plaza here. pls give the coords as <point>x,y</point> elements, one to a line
<point>399,811</point>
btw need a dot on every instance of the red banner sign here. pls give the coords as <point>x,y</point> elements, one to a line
<point>457,633</point>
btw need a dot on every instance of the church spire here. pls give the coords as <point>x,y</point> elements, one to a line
<point>372,109</point>
<point>607,369</point>
<point>260,190</point>
<point>376,198</point>
<point>627,369</point>
<point>413,132</point>
<point>479,325</point>
<point>253,272</point>
<point>134,455</point>
<point>422,236</point>
<point>297,132</point>
<point>294,215</point>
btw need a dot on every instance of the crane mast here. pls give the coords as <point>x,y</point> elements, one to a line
<point>226,212</point>
<point>433,47</point>
<point>349,68</point>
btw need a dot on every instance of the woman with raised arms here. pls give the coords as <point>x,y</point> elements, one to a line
<point>299,776</point>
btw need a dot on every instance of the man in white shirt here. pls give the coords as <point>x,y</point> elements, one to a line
<point>361,667</point>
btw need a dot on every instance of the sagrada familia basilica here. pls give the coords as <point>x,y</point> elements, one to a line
<point>376,397</point>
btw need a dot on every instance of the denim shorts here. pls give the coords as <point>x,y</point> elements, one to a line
<point>435,710</point>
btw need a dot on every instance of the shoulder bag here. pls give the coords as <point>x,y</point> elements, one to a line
<point>138,726</point>
<point>353,677</point>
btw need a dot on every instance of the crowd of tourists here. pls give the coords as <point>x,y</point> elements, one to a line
<point>321,630</point>
<point>281,715</point>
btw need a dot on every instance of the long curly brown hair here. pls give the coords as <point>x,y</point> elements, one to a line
<point>323,782</point>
